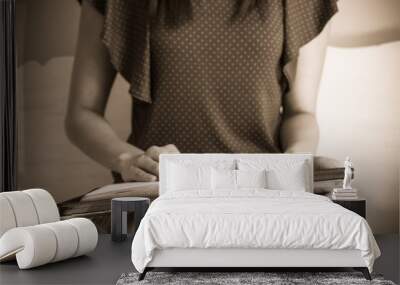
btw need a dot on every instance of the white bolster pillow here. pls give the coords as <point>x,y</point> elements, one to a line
<point>26,208</point>
<point>45,206</point>
<point>40,244</point>
<point>7,219</point>
<point>23,210</point>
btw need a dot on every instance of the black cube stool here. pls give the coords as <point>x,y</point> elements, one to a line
<point>120,207</point>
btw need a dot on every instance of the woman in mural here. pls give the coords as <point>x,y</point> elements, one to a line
<point>224,76</point>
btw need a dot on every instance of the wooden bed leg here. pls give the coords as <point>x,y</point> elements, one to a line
<point>142,275</point>
<point>365,272</point>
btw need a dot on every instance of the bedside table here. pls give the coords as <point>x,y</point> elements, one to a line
<point>358,206</point>
<point>120,207</point>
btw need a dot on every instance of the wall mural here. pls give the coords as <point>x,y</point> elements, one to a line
<point>99,99</point>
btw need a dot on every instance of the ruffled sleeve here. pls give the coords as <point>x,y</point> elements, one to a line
<point>304,20</point>
<point>127,38</point>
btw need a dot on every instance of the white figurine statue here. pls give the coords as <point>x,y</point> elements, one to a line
<point>347,173</point>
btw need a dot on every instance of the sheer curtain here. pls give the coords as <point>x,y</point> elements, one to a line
<point>7,96</point>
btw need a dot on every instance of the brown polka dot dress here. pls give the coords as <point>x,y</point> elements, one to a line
<point>211,84</point>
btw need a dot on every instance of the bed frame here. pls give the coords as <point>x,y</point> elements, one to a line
<point>260,259</point>
<point>245,259</point>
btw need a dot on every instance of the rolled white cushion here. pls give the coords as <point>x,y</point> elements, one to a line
<point>23,208</point>
<point>46,207</point>
<point>67,240</point>
<point>33,246</point>
<point>87,234</point>
<point>41,244</point>
<point>26,208</point>
<point>7,218</point>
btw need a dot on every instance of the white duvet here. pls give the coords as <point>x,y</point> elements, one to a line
<point>250,219</point>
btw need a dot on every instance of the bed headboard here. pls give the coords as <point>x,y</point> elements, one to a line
<point>214,158</point>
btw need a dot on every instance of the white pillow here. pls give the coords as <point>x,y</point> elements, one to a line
<point>290,174</point>
<point>214,163</point>
<point>293,179</point>
<point>188,177</point>
<point>251,178</point>
<point>235,179</point>
<point>223,179</point>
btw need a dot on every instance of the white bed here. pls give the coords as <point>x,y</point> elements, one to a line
<point>248,227</point>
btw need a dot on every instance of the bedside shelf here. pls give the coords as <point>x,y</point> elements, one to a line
<point>358,206</point>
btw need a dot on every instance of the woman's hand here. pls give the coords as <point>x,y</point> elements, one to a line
<point>92,79</point>
<point>143,167</point>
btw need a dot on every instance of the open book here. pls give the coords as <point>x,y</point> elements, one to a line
<point>98,200</point>
<point>133,189</point>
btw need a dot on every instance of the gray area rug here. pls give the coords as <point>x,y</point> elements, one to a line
<point>269,278</point>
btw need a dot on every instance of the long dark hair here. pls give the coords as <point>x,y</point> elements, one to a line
<point>176,12</point>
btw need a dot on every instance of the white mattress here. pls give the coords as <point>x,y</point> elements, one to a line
<point>250,219</point>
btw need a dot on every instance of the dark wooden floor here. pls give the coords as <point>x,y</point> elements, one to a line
<point>110,260</point>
